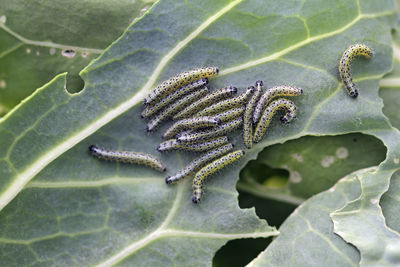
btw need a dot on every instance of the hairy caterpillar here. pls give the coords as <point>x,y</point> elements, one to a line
<point>173,144</point>
<point>269,113</point>
<point>211,168</point>
<point>199,162</point>
<point>192,123</point>
<point>174,83</point>
<point>128,157</point>
<point>345,65</point>
<point>230,114</point>
<point>153,109</point>
<point>271,93</point>
<point>175,107</point>
<point>195,137</point>
<point>226,104</point>
<point>206,101</point>
<point>248,115</point>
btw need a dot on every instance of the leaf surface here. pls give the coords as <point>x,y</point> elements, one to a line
<point>126,214</point>
<point>57,36</point>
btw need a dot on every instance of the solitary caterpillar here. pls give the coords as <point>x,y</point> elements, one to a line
<point>192,123</point>
<point>174,144</point>
<point>345,65</point>
<point>172,84</point>
<point>206,101</point>
<point>271,93</point>
<point>199,162</point>
<point>248,115</point>
<point>153,109</point>
<point>177,106</point>
<point>230,114</point>
<point>211,168</point>
<point>195,137</point>
<point>227,104</point>
<point>128,157</point>
<point>269,113</point>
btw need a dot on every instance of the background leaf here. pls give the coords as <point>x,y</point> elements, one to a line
<point>57,36</point>
<point>127,214</point>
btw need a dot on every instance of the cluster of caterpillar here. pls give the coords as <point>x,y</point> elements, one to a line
<point>203,118</point>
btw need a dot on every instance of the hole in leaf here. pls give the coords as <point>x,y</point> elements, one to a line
<point>75,83</point>
<point>239,252</point>
<point>390,98</point>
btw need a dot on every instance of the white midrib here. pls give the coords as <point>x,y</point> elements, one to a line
<point>23,178</point>
<point>163,231</point>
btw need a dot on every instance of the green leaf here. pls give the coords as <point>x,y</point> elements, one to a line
<point>314,164</point>
<point>35,46</point>
<point>390,203</point>
<point>307,237</point>
<point>86,211</point>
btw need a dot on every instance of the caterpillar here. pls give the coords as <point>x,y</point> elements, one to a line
<point>177,106</point>
<point>345,65</point>
<point>172,84</point>
<point>226,104</point>
<point>271,93</point>
<point>248,115</point>
<point>206,101</point>
<point>128,157</point>
<point>195,137</point>
<point>174,144</point>
<point>199,162</point>
<point>192,123</point>
<point>211,168</point>
<point>153,109</point>
<point>230,114</point>
<point>270,111</point>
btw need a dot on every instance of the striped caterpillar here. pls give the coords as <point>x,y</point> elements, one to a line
<point>199,162</point>
<point>174,83</point>
<point>206,101</point>
<point>227,104</point>
<point>345,65</point>
<point>153,109</point>
<point>271,93</point>
<point>211,168</point>
<point>269,113</point>
<point>128,157</point>
<point>206,145</point>
<point>248,115</point>
<point>194,137</point>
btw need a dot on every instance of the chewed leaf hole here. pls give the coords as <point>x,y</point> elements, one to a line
<point>68,53</point>
<point>239,252</point>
